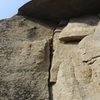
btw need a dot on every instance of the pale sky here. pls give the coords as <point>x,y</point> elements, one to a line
<point>8,8</point>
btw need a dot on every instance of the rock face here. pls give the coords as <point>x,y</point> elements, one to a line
<point>56,10</point>
<point>39,62</point>
<point>75,65</point>
<point>24,59</point>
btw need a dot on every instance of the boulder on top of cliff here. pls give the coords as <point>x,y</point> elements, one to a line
<point>56,10</point>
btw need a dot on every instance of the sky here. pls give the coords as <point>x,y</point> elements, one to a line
<point>9,8</point>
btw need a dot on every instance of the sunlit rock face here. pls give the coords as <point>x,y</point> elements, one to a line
<point>56,10</point>
<point>43,61</point>
<point>76,61</point>
<point>24,59</point>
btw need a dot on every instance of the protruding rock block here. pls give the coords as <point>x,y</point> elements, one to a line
<point>78,28</point>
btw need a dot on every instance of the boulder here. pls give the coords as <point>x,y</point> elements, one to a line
<point>56,10</point>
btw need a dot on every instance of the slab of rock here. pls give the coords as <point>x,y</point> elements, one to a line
<point>82,27</point>
<point>24,59</point>
<point>55,60</point>
<point>78,28</point>
<point>61,51</point>
<point>55,10</point>
<point>75,68</point>
<point>87,66</point>
<point>78,77</point>
<point>66,87</point>
<point>62,71</point>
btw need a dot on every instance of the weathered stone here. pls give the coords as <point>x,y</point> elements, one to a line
<point>79,72</point>
<point>24,59</point>
<point>90,46</point>
<point>83,27</point>
<point>87,66</point>
<point>55,60</point>
<point>56,10</point>
<point>78,28</point>
<point>76,79</point>
<point>61,51</point>
<point>62,72</point>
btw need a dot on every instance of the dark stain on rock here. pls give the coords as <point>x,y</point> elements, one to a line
<point>56,10</point>
<point>31,33</point>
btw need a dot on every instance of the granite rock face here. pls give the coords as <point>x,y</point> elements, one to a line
<point>39,62</point>
<point>75,66</point>
<point>24,59</point>
<point>55,10</point>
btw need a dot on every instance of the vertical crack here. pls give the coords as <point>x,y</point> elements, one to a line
<point>61,24</point>
<point>51,56</point>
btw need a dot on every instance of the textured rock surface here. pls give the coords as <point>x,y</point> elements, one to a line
<point>59,9</point>
<point>73,32</point>
<point>29,48</point>
<point>78,75</point>
<point>24,59</point>
<point>79,28</point>
<point>62,51</point>
<point>58,55</point>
